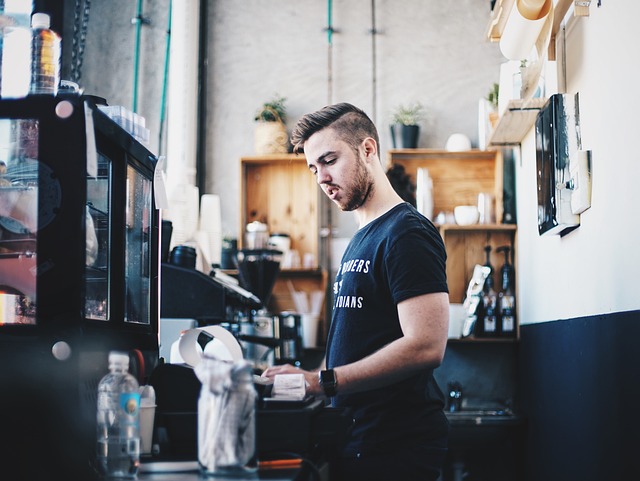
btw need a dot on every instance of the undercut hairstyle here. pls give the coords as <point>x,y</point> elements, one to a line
<point>350,123</point>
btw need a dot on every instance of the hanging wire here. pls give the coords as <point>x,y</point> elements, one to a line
<point>374,75</point>
<point>80,23</point>
<point>165,76</point>
<point>326,233</point>
<point>139,20</point>
<point>329,51</point>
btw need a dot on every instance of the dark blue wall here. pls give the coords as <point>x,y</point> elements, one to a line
<point>580,390</point>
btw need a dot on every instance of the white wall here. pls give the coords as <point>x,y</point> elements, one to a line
<point>595,268</point>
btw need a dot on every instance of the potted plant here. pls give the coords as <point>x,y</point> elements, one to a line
<point>405,128</point>
<point>492,100</point>
<point>492,96</point>
<point>271,132</point>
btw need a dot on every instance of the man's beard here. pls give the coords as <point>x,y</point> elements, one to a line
<point>361,188</point>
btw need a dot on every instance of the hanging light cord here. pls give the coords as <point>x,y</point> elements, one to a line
<point>165,76</point>
<point>374,75</point>
<point>329,51</point>
<point>80,23</point>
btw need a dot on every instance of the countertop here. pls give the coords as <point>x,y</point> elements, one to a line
<point>302,473</point>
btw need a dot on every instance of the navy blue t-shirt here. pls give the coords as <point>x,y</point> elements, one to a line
<point>395,257</point>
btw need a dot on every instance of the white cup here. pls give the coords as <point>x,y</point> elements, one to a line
<point>486,208</point>
<point>310,324</point>
<point>147,418</point>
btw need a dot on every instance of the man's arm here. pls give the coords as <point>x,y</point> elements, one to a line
<point>424,321</point>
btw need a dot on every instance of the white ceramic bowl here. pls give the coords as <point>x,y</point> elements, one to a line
<point>466,214</point>
<point>458,143</point>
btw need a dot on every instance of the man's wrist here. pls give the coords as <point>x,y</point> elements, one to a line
<point>328,382</point>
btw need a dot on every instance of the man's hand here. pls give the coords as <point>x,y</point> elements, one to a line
<point>311,377</point>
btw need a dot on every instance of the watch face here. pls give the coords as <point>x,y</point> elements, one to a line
<point>327,377</point>
<point>328,382</point>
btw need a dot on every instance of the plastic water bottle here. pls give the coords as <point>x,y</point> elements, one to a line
<point>118,421</point>
<point>45,56</point>
<point>15,48</point>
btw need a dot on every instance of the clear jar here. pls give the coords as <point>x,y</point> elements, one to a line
<point>257,235</point>
<point>226,418</point>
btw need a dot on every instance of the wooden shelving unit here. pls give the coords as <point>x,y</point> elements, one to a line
<point>279,191</point>
<point>458,178</point>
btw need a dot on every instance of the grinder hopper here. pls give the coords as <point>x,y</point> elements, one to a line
<point>258,269</point>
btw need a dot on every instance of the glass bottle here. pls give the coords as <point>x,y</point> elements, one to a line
<point>507,299</point>
<point>490,309</point>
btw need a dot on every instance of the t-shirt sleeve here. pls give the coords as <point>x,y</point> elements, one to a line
<point>416,265</point>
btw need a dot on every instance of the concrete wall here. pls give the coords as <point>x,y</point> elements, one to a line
<point>431,52</point>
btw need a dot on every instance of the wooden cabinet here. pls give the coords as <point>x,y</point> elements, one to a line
<point>458,178</point>
<point>279,191</point>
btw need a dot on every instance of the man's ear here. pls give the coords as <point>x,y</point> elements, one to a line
<point>370,146</point>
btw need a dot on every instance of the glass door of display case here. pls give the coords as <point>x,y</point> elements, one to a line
<point>19,168</point>
<point>137,247</point>
<point>98,232</point>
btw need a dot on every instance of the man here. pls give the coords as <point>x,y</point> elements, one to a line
<point>391,309</point>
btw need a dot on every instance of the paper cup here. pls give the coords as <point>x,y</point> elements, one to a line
<point>147,418</point>
<point>310,324</point>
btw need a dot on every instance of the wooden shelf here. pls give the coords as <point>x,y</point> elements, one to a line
<point>517,120</point>
<point>502,9</point>
<point>478,227</point>
<point>458,177</point>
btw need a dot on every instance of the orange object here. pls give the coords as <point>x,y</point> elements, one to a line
<point>280,463</point>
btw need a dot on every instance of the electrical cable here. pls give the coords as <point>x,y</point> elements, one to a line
<point>137,21</point>
<point>326,234</point>
<point>78,41</point>
<point>329,52</point>
<point>374,76</point>
<point>163,101</point>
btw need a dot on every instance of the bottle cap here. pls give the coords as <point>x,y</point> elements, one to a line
<point>118,358</point>
<point>40,20</point>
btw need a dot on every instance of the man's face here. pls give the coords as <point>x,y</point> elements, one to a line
<point>341,173</point>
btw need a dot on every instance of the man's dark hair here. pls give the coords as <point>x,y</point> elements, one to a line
<point>351,124</point>
<point>401,183</point>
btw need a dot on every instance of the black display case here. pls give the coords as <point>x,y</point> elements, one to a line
<point>79,266</point>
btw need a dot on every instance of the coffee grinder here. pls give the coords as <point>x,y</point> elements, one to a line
<point>270,338</point>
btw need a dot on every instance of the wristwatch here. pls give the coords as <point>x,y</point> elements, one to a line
<point>329,382</point>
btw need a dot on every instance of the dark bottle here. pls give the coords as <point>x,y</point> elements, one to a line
<point>490,317</point>
<point>507,298</point>
<point>490,322</point>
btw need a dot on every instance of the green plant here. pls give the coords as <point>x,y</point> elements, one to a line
<point>272,111</point>
<point>408,115</point>
<point>492,96</point>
